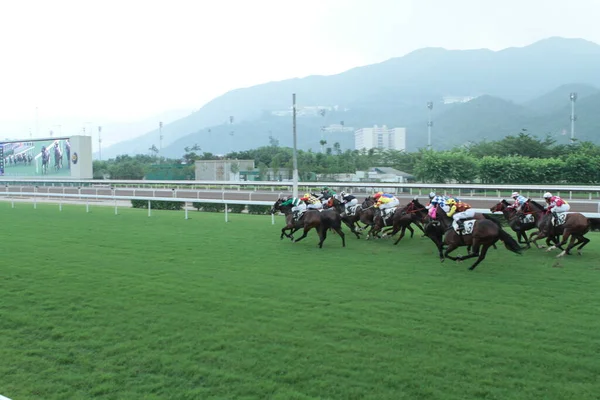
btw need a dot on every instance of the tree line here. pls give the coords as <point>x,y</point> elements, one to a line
<point>518,159</point>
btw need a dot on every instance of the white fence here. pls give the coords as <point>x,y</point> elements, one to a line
<point>87,198</point>
<point>61,196</point>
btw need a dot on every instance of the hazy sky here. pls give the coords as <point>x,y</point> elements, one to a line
<point>125,60</point>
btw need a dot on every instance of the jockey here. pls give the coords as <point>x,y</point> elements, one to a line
<point>519,201</point>
<point>434,200</point>
<point>385,201</point>
<point>312,202</point>
<point>349,201</point>
<point>326,194</point>
<point>459,211</point>
<point>556,205</point>
<point>298,206</point>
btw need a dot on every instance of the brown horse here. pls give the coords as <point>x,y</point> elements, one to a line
<point>413,213</point>
<point>486,232</point>
<point>575,226</point>
<point>322,221</point>
<point>540,214</point>
<point>519,222</point>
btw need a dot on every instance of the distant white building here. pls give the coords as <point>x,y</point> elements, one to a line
<point>380,138</point>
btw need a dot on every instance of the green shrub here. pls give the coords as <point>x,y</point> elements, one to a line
<point>158,204</point>
<point>255,209</point>
<point>209,207</point>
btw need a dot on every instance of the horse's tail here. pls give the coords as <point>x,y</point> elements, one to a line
<point>594,224</point>
<point>490,217</point>
<point>509,242</point>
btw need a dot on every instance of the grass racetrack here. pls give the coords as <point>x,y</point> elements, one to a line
<point>95,305</point>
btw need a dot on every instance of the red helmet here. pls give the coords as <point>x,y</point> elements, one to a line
<point>377,195</point>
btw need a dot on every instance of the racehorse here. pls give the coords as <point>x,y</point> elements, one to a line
<point>322,221</point>
<point>519,222</point>
<point>290,224</point>
<point>350,221</point>
<point>574,227</point>
<point>540,214</point>
<point>57,158</point>
<point>413,213</point>
<point>45,160</point>
<point>485,233</point>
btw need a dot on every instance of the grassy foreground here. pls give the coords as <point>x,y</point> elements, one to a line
<point>130,307</point>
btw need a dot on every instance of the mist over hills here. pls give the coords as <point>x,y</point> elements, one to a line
<point>513,89</point>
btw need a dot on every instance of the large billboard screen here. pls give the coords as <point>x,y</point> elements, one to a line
<point>49,158</point>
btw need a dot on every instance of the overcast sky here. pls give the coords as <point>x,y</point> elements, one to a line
<point>128,59</point>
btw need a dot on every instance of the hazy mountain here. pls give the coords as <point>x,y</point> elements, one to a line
<point>395,92</point>
<point>559,97</point>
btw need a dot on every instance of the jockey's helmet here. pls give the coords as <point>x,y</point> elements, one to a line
<point>431,195</point>
<point>343,194</point>
<point>547,195</point>
<point>451,201</point>
<point>515,194</point>
<point>377,195</point>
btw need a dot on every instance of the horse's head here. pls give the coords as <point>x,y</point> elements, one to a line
<point>500,206</point>
<point>277,205</point>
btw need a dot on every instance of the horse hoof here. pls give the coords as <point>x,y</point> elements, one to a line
<point>562,254</point>
<point>550,248</point>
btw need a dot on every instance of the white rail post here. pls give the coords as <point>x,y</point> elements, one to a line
<point>35,197</point>
<point>60,204</point>
<point>115,198</point>
<point>226,216</point>
<point>185,208</point>
<point>149,208</point>
<point>272,219</point>
<point>87,205</point>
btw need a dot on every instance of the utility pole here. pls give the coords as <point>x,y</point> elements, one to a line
<point>294,156</point>
<point>429,125</point>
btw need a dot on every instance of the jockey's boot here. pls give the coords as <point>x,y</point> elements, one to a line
<point>461,225</point>
<point>296,215</point>
<point>555,217</point>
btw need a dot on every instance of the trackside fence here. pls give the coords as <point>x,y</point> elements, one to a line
<point>149,199</point>
<point>87,198</point>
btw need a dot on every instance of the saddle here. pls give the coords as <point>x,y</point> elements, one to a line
<point>559,219</point>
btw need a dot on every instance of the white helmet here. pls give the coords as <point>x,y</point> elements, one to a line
<point>431,195</point>
<point>343,194</point>
<point>547,195</point>
<point>515,194</point>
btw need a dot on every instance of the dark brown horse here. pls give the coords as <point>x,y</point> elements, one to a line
<point>485,233</point>
<point>519,222</point>
<point>351,221</point>
<point>321,221</point>
<point>290,224</point>
<point>413,213</point>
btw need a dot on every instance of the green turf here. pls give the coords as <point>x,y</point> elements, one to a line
<point>130,307</point>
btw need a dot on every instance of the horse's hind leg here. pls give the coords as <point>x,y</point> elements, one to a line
<point>585,241</point>
<point>322,236</point>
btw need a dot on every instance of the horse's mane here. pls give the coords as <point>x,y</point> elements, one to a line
<point>536,204</point>
<point>503,201</point>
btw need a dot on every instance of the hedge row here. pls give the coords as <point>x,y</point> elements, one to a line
<point>207,207</point>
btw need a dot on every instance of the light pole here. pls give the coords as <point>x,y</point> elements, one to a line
<point>99,143</point>
<point>429,124</point>
<point>160,138</point>
<point>573,97</point>
<point>294,156</point>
